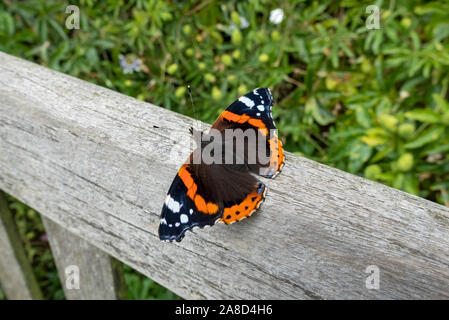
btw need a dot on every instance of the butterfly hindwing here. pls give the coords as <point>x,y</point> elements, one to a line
<point>245,206</point>
<point>200,195</point>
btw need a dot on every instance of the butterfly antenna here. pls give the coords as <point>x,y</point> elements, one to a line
<point>193,107</point>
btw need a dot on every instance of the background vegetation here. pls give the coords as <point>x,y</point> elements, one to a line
<point>370,102</point>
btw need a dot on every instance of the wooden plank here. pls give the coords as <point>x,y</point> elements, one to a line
<point>86,272</point>
<point>16,275</point>
<point>100,163</point>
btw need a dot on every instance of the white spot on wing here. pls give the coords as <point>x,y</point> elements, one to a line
<point>184,218</point>
<point>163,221</point>
<point>177,224</point>
<point>260,107</point>
<point>172,204</point>
<point>247,101</point>
<point>258,114</point>
<point>191,211</point>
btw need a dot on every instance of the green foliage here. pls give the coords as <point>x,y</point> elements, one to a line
<point>143,288</point>
<point>371,102</point>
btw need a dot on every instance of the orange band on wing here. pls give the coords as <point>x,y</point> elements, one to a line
<point>277,153</point>
<point>200,203</point>
<point>242,118</point>
<point>244,209</point>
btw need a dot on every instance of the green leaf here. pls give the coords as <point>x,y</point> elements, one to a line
<point>438,149</point>
<point>363,117</point>
<point>398,182</point>
<point>429,135</point>
<point>57,27</point>
<point>424,115</point>
<point>440,102</point>
<point>359,154</point>
<point>444,185</point>
<point>7,23</point>
<point>321,115</point>
<point>411,184</point>
<point>381,154</point>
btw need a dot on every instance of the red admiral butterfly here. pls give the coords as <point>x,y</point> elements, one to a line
<point>203,193</point>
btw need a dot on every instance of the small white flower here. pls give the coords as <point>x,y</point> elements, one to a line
<point>243,23</point>
<point>404,94</point>
<point>276,16</point>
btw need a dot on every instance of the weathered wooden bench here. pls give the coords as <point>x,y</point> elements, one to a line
<point>97,165</point>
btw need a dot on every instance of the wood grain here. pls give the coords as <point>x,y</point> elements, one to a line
<point>100,163</point>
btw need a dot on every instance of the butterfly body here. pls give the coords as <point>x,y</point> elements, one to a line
<point>225,190</point>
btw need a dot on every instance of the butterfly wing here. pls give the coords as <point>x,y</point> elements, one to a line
<point>254,110</point>
<point>184,208</point>
<point>245,206</point>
